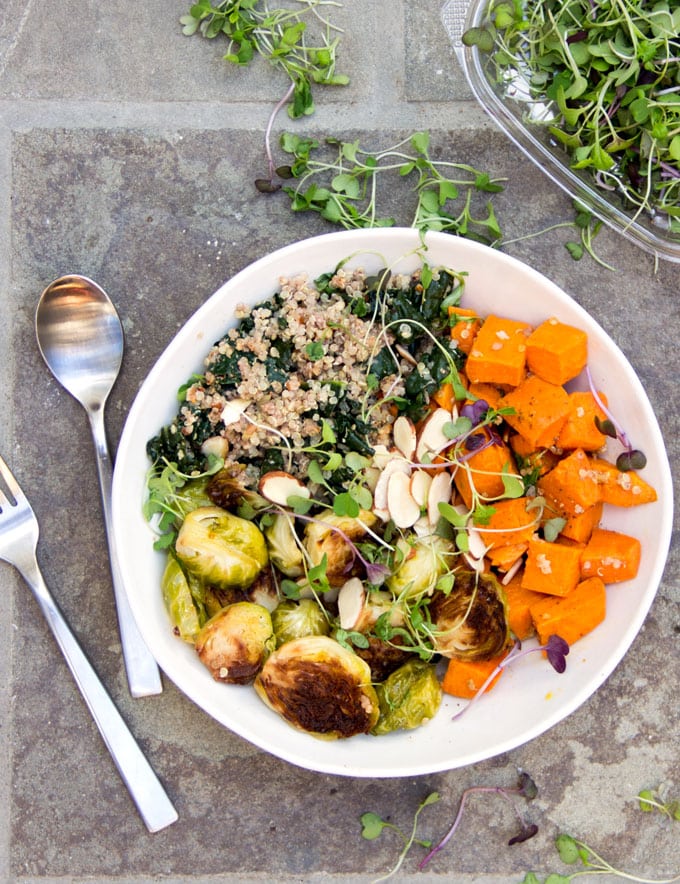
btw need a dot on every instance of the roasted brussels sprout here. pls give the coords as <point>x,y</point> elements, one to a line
<point>221,548</point>
<point>293,620</point>
<point>319,687</point>
<point>284,550</point>
<point>471,621</point>
<point>328,536</point>
<point>235,642</point>
<point>225,491</point>
<point>192,495</point>
<point>408,698</point>
<point>423,562</point>
<point>382,657</point>
<point>179,601</point>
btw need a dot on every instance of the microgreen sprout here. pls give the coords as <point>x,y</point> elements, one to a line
<point>631,458</point>
<point>651,800</point>
<point>555,649</point>
<point>607,93</point>
<point>525,788</point>
<point>345,189</point>
<point>571,851</point>
<point>372,826</point>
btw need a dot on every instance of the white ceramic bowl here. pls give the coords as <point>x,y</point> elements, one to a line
<point>531,697</point>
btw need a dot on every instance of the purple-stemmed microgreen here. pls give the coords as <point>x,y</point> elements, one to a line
<point>555,649</point>
<point>631,458</point>
<point>526,788</point>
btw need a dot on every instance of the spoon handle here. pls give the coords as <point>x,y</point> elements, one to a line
<point>143,675</point>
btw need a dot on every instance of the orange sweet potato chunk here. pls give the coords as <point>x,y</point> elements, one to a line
<point>510,523</point>
<point>572,616</point>
<point>530,457</point>
<point>483,472</point>
<point>488,392</point>
<point>557,352</point>
<point>580,527</point>
<point>611,556</point>
<point>464,331</point>
<point>622,488</point>
<point>573,485</point>
<point>580,429</point>
<point>552,568</point>
<point>540,410</point>
<point>520,601</point>
<point>499,352</point>
<point>504,557</point>
<point>463,678</point>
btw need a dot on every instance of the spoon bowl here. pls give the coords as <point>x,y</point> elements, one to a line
<point>80,337</point>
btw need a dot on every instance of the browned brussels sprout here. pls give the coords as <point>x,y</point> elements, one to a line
<point>235,642</point>
<point>470,622</point>
<point>319,687</point>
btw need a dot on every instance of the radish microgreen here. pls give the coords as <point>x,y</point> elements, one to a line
<point>608,71</point>
<point>651,800</point>
<point>572,851</point>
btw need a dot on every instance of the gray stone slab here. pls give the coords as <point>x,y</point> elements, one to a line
<point>130,158</point>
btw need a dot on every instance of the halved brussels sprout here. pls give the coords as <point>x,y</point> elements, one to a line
<point>221,548</point>
<point>328,536</point>
<point>179,601</point>
<point>190,496</point>
<point>423,562</point>
<point>319,687</point>
<point>471,621</point>
<point>293,620</point>
<point>408,698</point>
<point>284,550</point>
<point>235,642</point>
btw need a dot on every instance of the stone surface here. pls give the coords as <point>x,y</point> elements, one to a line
<point>127,153</point>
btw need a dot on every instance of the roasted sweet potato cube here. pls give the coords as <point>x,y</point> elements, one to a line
<point>499,352</point>
<point>610,555</point>
<point>520,601</point>
<point>464,331</point>
<point>622,488</point>
<point>484,472</point>
<point>488,392</point>
<point>510,523</point>
<point>580,429</point>
<point>557,352</point>
<point>572,616</point>
<point>540,410</point>
<point>504,557</point>
<point>573,485</point>
<point>580,527</point>
<point>530,458</point>
<point>552,568</point>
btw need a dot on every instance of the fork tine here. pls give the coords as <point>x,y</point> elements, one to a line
<point>11,483</point>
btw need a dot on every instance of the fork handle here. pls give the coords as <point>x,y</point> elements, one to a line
<point>143,675</point>
<point>152,802</point>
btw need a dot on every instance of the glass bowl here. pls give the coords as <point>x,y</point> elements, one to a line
<point>521,120</point>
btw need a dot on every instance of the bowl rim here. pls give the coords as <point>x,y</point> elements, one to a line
<point>277,738</point>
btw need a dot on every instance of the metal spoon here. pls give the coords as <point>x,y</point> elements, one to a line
<point>81,339</point>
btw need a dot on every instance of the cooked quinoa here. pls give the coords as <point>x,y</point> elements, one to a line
<point>305,356</point>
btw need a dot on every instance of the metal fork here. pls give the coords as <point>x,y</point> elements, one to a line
<point>18,543</point>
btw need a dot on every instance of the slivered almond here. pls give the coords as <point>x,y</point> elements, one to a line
<point>440,492</point>
<point>351,600</point>
<point>432,438</point>
<point>403,509</point>
<point>421,481</point>
<point>277,486</point>
<point>404,435</point>
<point>233,410</point>
<point>396,464</point>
